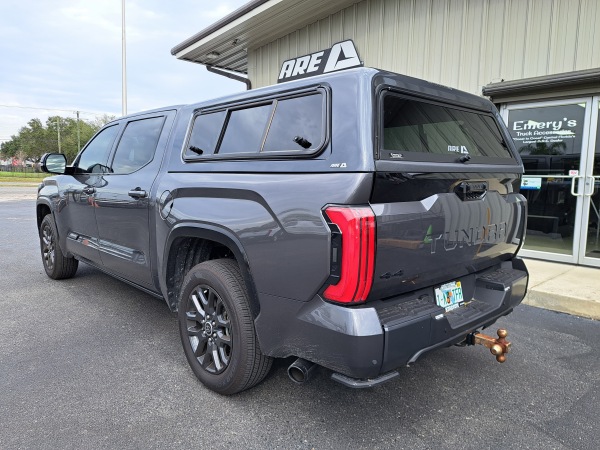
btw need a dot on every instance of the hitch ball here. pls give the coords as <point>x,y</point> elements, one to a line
<point>498,347</point>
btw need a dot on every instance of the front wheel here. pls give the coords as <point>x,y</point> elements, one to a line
<point>56,264</point>
<point>217,328</point>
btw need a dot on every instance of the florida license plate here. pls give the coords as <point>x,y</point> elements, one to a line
<point>449,296</point>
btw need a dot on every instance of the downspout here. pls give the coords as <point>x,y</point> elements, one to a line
<point>233,76</point>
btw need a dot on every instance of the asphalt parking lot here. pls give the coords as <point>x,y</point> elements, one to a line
<point>91,362</point>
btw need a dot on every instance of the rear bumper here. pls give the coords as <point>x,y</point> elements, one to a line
<point>409,335</point>
<point>365,342</point>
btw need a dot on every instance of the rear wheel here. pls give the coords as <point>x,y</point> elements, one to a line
<point>217,328</point>
<point>56,264</point>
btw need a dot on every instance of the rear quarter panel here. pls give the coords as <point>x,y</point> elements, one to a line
<point>276,218</point>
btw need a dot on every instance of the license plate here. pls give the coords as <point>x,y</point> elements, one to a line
<point>449,296</point>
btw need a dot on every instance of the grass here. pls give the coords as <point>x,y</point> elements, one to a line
<point>22,176</point>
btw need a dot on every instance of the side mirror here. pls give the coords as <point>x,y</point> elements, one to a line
<point>54,163</point>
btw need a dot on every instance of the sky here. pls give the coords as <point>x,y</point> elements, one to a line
<point>66,54</point>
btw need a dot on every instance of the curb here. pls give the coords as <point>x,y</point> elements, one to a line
<point>564,304</point>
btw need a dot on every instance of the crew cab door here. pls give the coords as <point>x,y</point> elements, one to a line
<point>126,196</point>
<point>76,217</point>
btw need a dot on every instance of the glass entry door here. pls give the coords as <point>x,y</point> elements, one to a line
<point>589,252</point>
<point>553,141</point>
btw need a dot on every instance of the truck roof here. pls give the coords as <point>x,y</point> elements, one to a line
<point>368,75</point>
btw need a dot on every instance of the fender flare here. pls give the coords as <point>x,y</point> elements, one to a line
<point>217,234</point>
<point>61,239</point>
<point>45,202</point>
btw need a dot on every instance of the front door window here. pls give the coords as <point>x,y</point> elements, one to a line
<point>94,157</point>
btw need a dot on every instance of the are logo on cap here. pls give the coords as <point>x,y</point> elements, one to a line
<point>342,55</point>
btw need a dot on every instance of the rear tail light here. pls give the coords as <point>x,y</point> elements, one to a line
<point>352,253</point>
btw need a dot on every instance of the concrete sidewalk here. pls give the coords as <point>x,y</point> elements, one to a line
<point>564,287</point>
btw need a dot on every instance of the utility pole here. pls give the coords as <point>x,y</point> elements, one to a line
<point>58,130</point>
<point>124,60</point>
<point>78,135</point>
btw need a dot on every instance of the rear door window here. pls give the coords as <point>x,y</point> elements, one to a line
<point>423,131</point>
<point>137,145</point>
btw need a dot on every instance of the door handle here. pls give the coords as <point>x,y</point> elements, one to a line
<point>575,194</point>
<point>89,190</point>
<point>137,193</point>
<point>590,181</point>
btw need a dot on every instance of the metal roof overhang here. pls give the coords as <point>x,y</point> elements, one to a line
<point>225,43</point>
<point>569,84</point>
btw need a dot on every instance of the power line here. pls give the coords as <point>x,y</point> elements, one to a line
<point>53,109</point>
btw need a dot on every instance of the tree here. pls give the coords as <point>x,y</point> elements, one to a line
<point>102,120</point>
<point>31,138</point>
<point>9,149</point>
<point>35,139</point>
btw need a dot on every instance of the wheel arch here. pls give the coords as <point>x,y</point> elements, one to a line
<point>42,208</point>
<point>213,235</point>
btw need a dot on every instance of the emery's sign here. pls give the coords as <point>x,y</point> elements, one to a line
<point>548,130</point>
<point>342,55</point>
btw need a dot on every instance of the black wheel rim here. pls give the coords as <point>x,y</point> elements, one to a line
<point>209,329</point>
<point>48,247</point>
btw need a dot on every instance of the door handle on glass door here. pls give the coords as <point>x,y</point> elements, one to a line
<point>576,194</point>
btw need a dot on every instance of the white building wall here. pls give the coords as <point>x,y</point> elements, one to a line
<point>460,43</point>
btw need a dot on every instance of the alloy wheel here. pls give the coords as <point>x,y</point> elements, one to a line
<point>209,329</point>
<point>48,247</point>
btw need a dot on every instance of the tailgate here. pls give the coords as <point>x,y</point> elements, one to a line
<point>439,228</point>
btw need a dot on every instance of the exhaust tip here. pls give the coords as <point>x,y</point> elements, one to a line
<point>300,370</point>
<point>296,375</point>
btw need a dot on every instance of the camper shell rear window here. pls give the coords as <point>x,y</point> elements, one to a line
<point>421,130</point>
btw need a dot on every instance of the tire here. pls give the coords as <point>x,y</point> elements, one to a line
<point>223,353</point>
<point>56,264</point>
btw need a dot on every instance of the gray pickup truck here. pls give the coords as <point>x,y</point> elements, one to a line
<point>355,220</point>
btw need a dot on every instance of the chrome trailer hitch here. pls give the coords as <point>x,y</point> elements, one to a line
<point>499,347</point>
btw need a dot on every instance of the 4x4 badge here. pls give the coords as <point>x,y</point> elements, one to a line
<point>338,165</point>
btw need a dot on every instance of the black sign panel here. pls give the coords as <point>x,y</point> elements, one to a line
<point>549,139</point>
<point>548,130</point>
<point>342,55</point>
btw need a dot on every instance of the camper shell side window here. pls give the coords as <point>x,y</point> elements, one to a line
<point>291,125</point>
